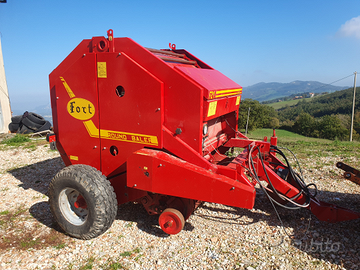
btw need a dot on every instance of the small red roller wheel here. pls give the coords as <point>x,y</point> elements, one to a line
<point>171,221</point>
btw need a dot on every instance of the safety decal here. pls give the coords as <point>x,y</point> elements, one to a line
<point>101,70</point>
<point>84,110</point>
<point>212,108</point>
<point>237,100</point>
<point>224,93</point>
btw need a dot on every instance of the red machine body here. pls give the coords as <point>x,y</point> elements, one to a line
<point>158,124</point>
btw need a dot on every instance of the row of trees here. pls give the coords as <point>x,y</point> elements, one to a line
<point>328,126</point>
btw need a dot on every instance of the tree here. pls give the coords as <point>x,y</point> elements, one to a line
<point>304,125</point>
<point>330,128</point>
<point>357,122</point>
<point>274,123</point>
<point>261,115</point>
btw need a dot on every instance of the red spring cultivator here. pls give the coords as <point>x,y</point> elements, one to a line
<point>156,127</point>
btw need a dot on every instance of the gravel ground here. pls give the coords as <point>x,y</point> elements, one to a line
<point>214,237</point>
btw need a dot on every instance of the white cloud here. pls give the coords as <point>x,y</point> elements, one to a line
<point>351,28</point>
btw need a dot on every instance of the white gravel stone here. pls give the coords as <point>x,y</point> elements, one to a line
<point>215,236</point>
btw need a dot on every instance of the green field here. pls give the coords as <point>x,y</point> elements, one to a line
<point>309,147</point>
<point>292,102</point>
<point>281,104</point>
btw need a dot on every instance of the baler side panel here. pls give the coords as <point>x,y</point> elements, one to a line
<point>123,192</point>
<point>158,172</point>
<point>183,99</point>
<point>74,101</point>
<point>222,95</point>
<point>129,120</point>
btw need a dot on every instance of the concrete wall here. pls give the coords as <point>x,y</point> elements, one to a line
<point>5,109</point>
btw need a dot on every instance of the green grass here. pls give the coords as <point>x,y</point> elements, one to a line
<point>292,102</point>
<point>60,246</point>
<point>89,264</point>
<point>17,140</point>
<point>282,104</point>
<point>20,140</point>
<point>126,254</point>
<point>29,243</point>
<point>305,146</point>
<point>110,264</point>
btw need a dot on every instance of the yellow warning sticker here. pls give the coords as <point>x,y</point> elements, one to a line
<point>237,101</point>
<point>74,157</point>
<point>101,69</point>
<point>212,108</point>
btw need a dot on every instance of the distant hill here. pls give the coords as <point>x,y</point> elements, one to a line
<point>266,91</point>
<point>339,102</point>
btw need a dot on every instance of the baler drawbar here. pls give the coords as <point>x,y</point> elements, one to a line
<point>156,127</point>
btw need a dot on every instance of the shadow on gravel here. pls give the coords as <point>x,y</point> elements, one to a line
<point>37,176</point>
<point>135,213</point>
<point>41,212</point>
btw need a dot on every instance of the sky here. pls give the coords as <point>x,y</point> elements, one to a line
<point>248,41</point>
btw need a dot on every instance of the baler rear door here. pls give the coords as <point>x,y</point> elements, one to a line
<point>74,102</point>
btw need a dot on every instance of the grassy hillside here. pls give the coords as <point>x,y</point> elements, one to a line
<point>293,102</point>
<point>283,104</point>
<point>310,147</point>
<point>339,102</point>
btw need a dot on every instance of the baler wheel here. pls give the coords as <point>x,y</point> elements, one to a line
<point>82,201</point>
<point>171,221</point>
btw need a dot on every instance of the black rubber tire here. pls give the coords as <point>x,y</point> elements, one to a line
<point>16,119</point>
<point>36,118</point>
<point>99,196</point>
<point>46,126</point>
<point>30,124</point>
<point>13,127</point>
<point>24,130</point>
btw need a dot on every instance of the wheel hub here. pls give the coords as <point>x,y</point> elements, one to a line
<point>73,206</point>
<point>171,221</point>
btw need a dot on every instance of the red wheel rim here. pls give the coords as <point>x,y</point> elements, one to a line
<point>171,221</point>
